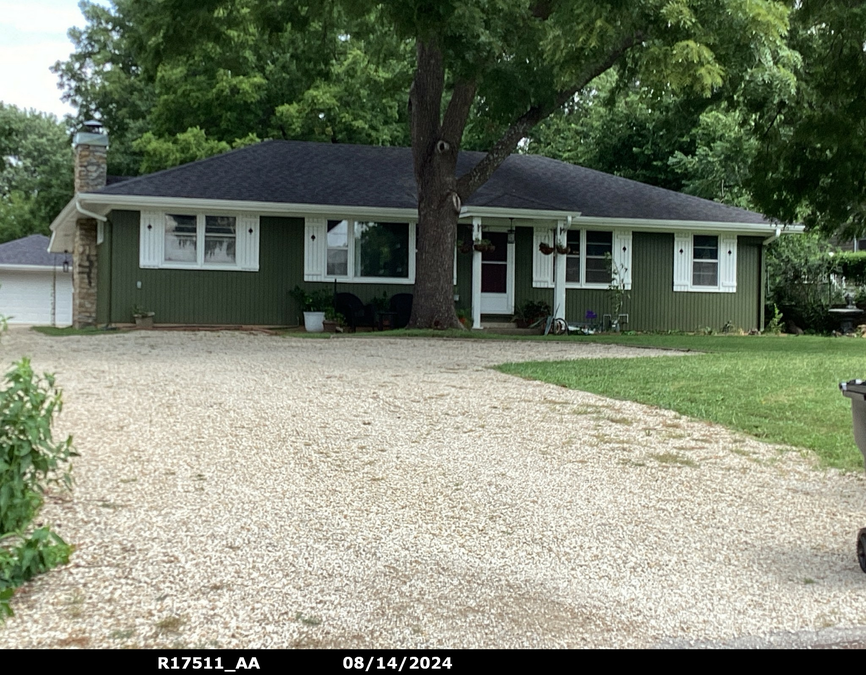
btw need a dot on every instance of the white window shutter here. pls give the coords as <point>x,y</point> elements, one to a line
<point>542,265</point>
<point>728,263</point>
<point>315,249</point>
<point>247,244</point>
<point>622,255</point>
<point>151,238</point>
<point>682,261</point>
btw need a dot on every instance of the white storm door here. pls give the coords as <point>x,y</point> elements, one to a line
<point>497,275</point>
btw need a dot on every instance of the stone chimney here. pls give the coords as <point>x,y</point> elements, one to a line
<point>91,166</point>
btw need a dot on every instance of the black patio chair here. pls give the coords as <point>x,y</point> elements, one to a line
<point>356,312</point>
<point>401,305</point>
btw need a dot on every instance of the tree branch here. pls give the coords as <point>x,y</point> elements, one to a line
<point>457,113</point>
<point>469,182</point>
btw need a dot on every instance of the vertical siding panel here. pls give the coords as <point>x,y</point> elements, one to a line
<point>205,296</point>
<point>191,296</point>
<point>658,307</point>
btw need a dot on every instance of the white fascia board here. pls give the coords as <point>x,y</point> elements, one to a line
<point>62,229</point>
<point>64,214</point>
<point>639,224</point>
<point>263,208</point>
<point>522,214</point>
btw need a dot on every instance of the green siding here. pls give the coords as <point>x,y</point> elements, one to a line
<point>652,303</point>
<point>207,296</point>
<point>261,298</point>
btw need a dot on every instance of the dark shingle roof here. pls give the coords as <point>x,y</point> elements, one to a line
<point>297,172</point>
<point>32,250</point>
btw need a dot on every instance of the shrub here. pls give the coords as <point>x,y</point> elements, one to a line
<point>30,461</point>
<point>799,275</point>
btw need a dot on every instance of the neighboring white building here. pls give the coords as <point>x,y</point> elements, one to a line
<point>35,285</point>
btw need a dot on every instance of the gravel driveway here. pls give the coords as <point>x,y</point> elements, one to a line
<point>244,490</point>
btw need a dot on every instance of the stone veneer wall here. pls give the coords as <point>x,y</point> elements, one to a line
<point>91,168</point>
<point>84,273</point>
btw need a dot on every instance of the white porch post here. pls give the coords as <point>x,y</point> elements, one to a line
<point>476,275</point>
<point>559,272</point>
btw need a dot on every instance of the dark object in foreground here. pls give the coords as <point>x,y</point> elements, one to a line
<point>856,391</point>
<point>401,305</point>
<point>355,312</point>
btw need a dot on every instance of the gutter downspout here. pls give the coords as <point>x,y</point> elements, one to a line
<point>91,214</point>
<point>768,240</point>
<point>765,285</point>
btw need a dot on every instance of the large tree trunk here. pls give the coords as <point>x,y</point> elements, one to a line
<point>434,148</point>
<point>438,208</point>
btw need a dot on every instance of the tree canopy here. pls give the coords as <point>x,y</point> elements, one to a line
<point>207,76</point>
<point>180,78</point>
<point>35,171</point>
<point>811,165</point>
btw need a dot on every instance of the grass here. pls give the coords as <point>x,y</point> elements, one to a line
<point>778,389</point>
<point>63,332</point>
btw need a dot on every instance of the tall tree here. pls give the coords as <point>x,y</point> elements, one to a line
<point>484,73</point>
<point>518,62</point>
<point>811,165</point>
<point>204,76</point>
<point>35,171</point>
<point>682,141</point>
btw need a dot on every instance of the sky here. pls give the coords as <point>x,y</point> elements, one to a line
<point>32,38</point>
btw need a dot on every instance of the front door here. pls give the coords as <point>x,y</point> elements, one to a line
<point>497,275</point>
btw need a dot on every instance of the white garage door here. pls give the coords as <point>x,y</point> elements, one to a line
<point>28,296</point>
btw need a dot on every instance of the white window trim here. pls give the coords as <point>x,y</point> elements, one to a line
<point>152,242</point>
<point>684,261</point>
<point>620,239</point>
<point>583,283</point>
<point>316,256</point>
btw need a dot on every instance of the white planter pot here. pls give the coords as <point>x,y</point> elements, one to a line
<point>313,322</point>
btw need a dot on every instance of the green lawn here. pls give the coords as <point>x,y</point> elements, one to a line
<point>62,332</point>
<point>778,389</point>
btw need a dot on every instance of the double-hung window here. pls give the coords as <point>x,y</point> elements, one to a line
<point>199,241</point>
<point>359,251</point>
<point>705,262</point>
<point>592,257</point>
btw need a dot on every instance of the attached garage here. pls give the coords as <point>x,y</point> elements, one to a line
<point>35,286</point>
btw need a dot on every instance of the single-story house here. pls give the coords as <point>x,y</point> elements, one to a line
<point>223,240</point>
<point>35,285</point>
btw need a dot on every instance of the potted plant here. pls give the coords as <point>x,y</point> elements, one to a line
<point>334,321</point>
<point>484,245</point>
<point>313,305</point>
<point>143,317</point>
<point>530,312</point>
<point>464,246</point>
<point>465,317</point>
<point>564,250</point>
<point>545,248</point>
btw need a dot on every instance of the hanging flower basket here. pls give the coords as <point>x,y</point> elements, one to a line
<point>484,246</point>
<point>564,250</point>
<point>465,247</point>
<point>545,248</point>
